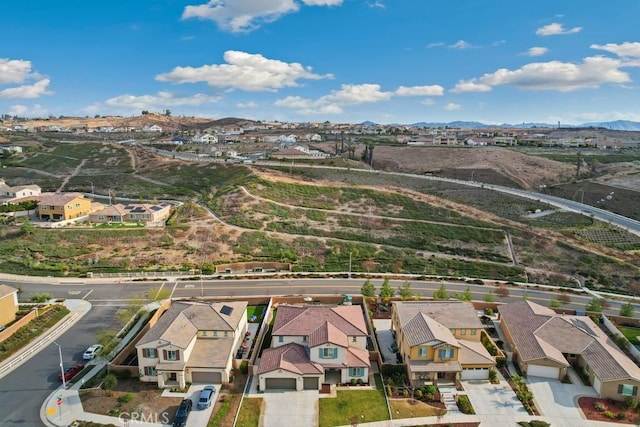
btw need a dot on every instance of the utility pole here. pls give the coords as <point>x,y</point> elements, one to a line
<point>64,383</point>
<point>350,253</point>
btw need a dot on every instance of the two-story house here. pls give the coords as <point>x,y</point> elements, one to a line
<point>62,206</point>
<point>440,340</point>
<point>192,343</point>
<point>18,193</point>
<point>313,345</point>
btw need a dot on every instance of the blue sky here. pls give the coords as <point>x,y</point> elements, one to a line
<point>388,61</point>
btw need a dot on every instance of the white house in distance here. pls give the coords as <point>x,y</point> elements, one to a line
<point>313,345</point>
<point>192,343</point>
<point>9,194</point>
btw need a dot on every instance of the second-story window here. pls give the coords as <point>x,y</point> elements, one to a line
<point>173,355</point>
<point>328,353</point>
<point>422,352</point>
<point>445,353</point>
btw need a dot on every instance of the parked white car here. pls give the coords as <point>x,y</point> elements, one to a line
<point>92,351</point>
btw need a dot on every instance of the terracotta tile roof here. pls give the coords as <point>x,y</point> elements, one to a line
<point>540,332</point>
<point>291,357</point>
<point>328,333</point>
<point>451,314</point>
<point>357,358</point>
<point>303,321</point>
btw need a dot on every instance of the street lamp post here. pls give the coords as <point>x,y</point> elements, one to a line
<point>64,383</point>
<point>350,265</point>
<point>91,182</point>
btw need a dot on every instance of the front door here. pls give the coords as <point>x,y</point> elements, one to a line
<point>173,376</point>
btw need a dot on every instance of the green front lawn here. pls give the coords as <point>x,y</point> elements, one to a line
<point>630,333</point>
<point>366,405</point>
<point>255,310</point>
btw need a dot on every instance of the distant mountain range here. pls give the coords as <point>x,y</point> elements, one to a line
<point>625,125</point>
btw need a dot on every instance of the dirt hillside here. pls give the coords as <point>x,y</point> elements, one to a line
<point>526,171</point>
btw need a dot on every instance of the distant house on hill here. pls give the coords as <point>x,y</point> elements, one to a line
<point>9,194</point>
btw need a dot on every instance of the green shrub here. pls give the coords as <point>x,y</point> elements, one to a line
<point>244,367</point>
<point>609,414</point>
<point>631,402</point>
<point>598,407</point>
<point>125,398</point>
<point>465,405</point>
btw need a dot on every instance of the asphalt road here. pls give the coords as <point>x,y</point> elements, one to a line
<point>118,294</point>
<point>23,390</point>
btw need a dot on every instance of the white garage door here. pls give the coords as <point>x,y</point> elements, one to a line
<point>543,371</point>
<point>475,374</point>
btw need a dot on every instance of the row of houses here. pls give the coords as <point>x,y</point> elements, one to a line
<point>312,345</point>
<point>53,207</point>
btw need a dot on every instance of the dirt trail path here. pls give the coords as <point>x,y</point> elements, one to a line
<point>74,173</point>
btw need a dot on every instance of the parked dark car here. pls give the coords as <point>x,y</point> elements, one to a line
<point>183,413</point>
<point>71,371</point>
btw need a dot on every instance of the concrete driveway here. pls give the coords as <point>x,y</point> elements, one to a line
<point>200,417</point>
<point>385,339</point>
<point>555,399</point>
<point>493,399</point>
<point>290,408</point>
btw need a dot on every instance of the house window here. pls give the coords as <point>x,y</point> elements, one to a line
<point>422,352</point>
<point>627,390</point>
<point>150,371</point>
<point>132,216</point>
<point>328,353</point>
<point>172,355</point>
<point>226,334</point>
<point>356,372</point>
<point>305,338</point>
<point>215,333</point>
<point>445,353</point>
<point>473,331</point>
<point>355,339</point>
<point>453,331</point>
<point>280,338</point>
<point>149,353</point>
<point>77,205</point>
<point>43,208</point>
<point>100,217</point>
<point>463,332</point>
<point>204,333</point>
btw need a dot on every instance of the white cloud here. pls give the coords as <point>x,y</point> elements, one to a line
<point>377,5</point>
<point>245,71</point>
<point>24,111</point>
<point>556,29</point>
<point>437,44</point>
<point>35,90</point>
<point>554,75</point>
<point>14,70</point>
<point>460,44</point>
<point>624,50</point>
<point>427,101</point>
<point>152,102</point>
<point>452,106</point>
<point>249,104</point>
<point>537,51</point>
<point>247,15</point>
<point>433,90</point>
<point>347,95</point>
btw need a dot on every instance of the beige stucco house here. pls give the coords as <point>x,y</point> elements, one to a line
<point>132,212</point>
<point>313,345</point>
<point>192,343</point>
<point>8,304</point>
<point>546,344</point>
<point>440,340</point>
<point>17,193</point>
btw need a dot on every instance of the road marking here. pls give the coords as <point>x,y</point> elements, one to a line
<point>174,289</point>
<point>74,292</point>
<point>189,286</point>
<point>87,294</point>
<point>159,289</point>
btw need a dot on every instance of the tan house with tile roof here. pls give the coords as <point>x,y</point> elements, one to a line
<point>192,343</point>
<point>546,344</point>
<point>132,212</point>
<point>313,345</point>
<point>440,340</point>
<point>62,206</point>
<point>8,304</point>
<point>18,193</point>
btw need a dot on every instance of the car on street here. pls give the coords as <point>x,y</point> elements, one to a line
<point>206,395</point>
<point>182,413</point>
<point>92,351</point>
<point>71,371</point>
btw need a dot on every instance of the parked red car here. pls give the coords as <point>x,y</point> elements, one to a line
<point>71,371</point>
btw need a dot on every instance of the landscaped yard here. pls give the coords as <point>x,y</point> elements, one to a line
<point>631,334</point>
<point>366,405</point>
<point>255,310</point>
<point>249,415</point>
<point>610,411</point>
